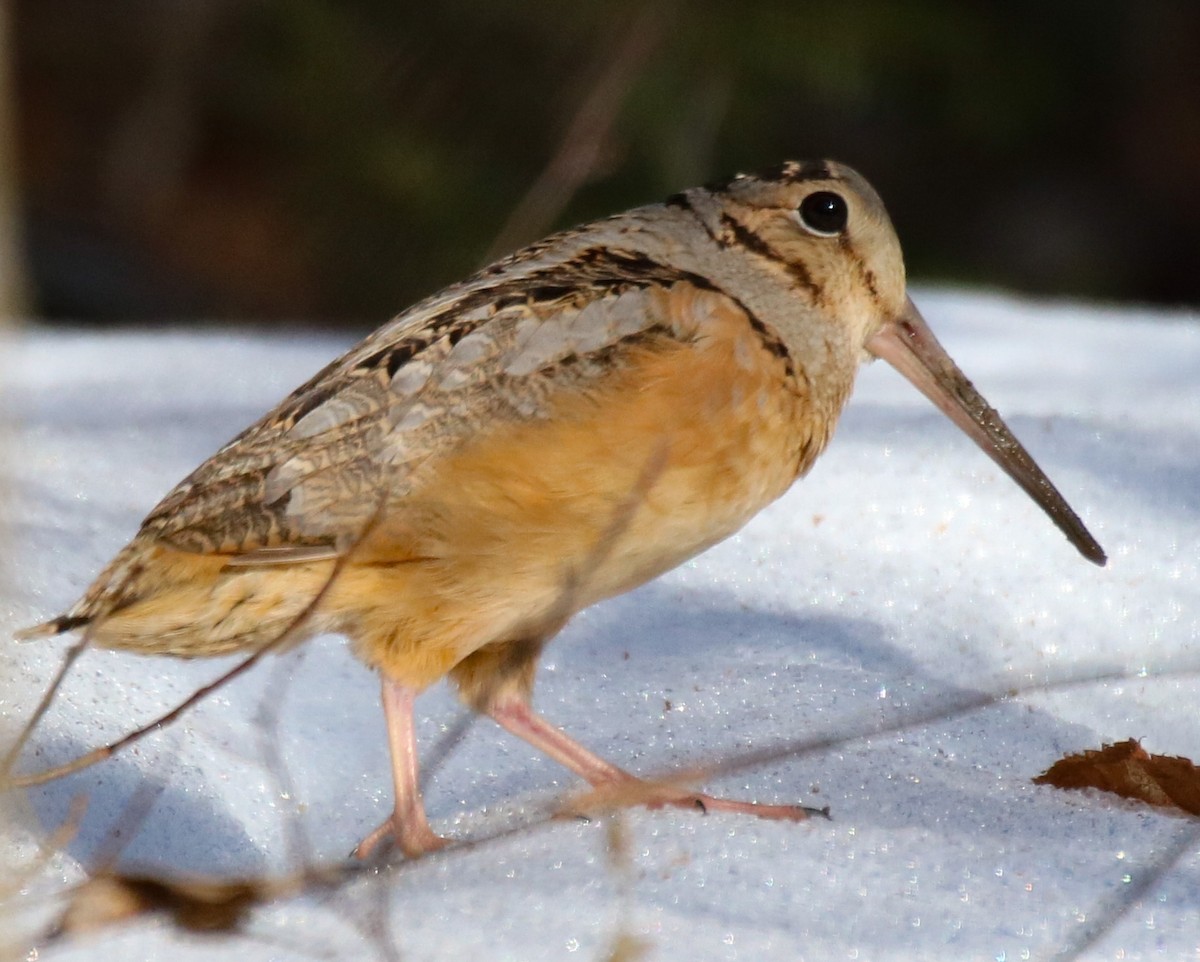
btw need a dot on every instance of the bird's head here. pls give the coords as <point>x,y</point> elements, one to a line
<point>821,230</point>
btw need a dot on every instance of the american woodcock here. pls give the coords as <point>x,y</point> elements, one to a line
<point>562,426</point>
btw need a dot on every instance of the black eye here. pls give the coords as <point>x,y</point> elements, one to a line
<point>824,213</point>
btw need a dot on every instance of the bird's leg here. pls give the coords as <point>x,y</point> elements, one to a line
<point>407,824</point>
<point>514,714</point>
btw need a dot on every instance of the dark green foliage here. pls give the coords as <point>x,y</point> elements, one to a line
<point>339,158</point>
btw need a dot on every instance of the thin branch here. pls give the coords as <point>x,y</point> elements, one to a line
<point>446,745</point>
<point>622,517</point>
<point>1104,918</point>
<point>14,752</point>
<point>107,751</point>
<point>266,720</point>
<point>127,826</point>
<point>286,637</point>
<point>222,905</point>
<point>740,761</point>
<point>582,145</point>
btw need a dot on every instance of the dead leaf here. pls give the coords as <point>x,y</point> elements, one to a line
<point>1128,770</point>
<point>197,905</point>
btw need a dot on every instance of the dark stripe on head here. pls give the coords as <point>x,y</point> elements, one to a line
<point>794,172</point>
<point>755,244</point>
<point>789,172</point>
<point>866,275</point>
<point>767,335</point>
<point>771,341</point>
<point>869,279</point>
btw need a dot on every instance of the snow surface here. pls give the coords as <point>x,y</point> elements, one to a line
<point>906,574</point>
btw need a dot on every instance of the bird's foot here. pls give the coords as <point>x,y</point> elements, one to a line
<point>774,813</point>
<point>631,791</point>
<point>697,801</point>
<point>413,837</point>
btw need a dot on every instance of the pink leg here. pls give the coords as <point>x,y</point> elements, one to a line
<point>517,717</point>
<point>407,824</point>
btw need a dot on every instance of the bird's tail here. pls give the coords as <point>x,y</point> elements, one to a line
<point>156,599</point>
<point>55,626</point>
<point>114,587</point>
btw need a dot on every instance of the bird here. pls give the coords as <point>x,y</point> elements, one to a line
<point>562,426</point>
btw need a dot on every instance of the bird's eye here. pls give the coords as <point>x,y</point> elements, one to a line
<point>824,213</point>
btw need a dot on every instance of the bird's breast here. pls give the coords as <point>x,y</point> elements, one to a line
<point>680,443</point>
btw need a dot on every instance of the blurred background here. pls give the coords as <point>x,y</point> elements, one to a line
<point>333,160</point>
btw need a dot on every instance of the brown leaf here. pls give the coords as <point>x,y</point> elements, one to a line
<point>110,899</point>
<point>195,904</point>
<point>1128,770</point>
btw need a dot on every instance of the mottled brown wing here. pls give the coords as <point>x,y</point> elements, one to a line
<point>314,471</point>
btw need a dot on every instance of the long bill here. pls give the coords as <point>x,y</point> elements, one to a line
<point>907,343</point>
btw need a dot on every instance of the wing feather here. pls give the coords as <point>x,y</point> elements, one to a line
<point>312,472</point>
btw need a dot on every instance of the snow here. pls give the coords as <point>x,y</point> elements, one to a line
<point>903,578</point>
